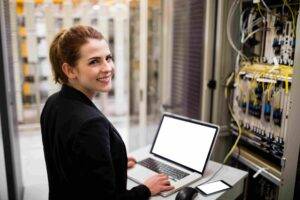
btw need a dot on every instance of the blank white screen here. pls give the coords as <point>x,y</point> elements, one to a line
<point>184,142</point>
<point>213,187</point>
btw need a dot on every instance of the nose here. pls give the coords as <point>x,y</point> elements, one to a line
<point>107,67</point>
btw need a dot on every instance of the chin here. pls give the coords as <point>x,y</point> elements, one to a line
<point>105,89</point>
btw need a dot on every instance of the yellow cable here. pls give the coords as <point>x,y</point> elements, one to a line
<point>269,91</point>
<point>292,13</point>
<point>259,10</point>
<point>234,118</point>
<point>286,86</point>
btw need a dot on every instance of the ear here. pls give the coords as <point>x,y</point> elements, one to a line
<point>69,71</point>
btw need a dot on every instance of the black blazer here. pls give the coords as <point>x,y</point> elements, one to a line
<point>85,155</point>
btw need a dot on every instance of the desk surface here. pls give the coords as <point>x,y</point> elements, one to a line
<point>233,176</point>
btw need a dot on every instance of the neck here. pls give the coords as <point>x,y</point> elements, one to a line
<point>88,93</point>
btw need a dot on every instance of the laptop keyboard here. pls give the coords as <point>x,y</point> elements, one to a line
<point>160,167</point>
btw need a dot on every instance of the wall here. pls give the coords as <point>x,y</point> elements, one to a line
<point>3,185</point>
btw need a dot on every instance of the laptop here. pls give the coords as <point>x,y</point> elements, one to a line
<point>181,149</point>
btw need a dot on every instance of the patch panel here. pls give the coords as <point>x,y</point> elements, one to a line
<point>261,105</point>
<point>263,123</point>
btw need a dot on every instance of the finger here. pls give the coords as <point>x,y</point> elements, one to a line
<point>130,158</point>
<point>166,182</point>
<point>163,175</point>
<point>130,164</point>
<point>162,178</point>
<point>167,188</point>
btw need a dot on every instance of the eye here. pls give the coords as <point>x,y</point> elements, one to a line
<point>109,58</point>
<point>93,62</point>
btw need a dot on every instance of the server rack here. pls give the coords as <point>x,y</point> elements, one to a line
<point>283,177</point>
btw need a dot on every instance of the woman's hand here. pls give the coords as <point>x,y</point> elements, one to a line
<point>158,183</point>
<point>130,162</point>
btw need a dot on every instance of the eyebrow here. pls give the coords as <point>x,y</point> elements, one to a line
<point>98,57</point>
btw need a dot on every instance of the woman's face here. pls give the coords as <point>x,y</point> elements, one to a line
<point>95,68</point>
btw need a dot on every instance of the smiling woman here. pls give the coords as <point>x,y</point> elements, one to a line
<point>94,69</point>
<point>81,58</point>
<point>85,155</point>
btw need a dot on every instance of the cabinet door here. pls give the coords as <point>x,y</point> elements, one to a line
<point>3,183</point>
<point>9,143</point>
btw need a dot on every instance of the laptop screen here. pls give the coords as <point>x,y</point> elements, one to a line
<point>185,142</point>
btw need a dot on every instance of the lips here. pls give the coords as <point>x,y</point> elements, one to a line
<point>104,79</point>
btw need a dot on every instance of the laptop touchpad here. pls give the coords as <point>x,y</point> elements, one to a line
<point>139,173</point>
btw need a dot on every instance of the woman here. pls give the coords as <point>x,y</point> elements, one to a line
<point>85,155</point>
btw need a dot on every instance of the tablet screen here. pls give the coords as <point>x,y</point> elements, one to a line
<point>213,187</point>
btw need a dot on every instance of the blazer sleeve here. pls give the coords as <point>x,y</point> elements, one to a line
<point>95,168</point>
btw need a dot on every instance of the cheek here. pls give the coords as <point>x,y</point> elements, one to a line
<point>113,68</point>
<point>88,75</point>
